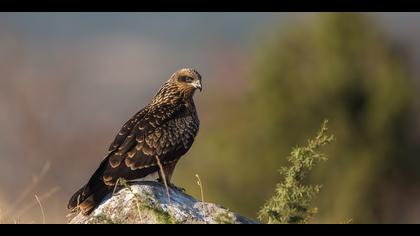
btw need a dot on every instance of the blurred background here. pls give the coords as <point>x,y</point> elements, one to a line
<point>69,81</point>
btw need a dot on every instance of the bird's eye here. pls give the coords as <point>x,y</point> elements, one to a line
<point>186,79</point>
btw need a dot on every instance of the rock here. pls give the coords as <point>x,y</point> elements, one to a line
<point>148,203</point>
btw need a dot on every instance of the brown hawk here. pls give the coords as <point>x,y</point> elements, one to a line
<point>162,131</point>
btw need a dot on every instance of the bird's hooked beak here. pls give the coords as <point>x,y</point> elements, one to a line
<point>197,85</point>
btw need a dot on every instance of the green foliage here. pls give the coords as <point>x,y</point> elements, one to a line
<point>224,217</point>
<point>339,66</point>
<point>291,203</point>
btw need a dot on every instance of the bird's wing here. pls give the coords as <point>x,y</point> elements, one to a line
<point>162,132</point>
<point>127,129</point>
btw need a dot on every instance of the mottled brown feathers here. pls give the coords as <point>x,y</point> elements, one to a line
<point>165,129</point>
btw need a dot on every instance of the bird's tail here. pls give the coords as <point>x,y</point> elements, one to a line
<point>76,199</point>
<point>90,195</point>
<point>87,198</point>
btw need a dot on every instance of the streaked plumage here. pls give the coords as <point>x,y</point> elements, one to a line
<point>165,129</point>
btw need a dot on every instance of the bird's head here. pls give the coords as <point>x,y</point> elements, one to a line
<point>181,85</point>
<point>187,80</point>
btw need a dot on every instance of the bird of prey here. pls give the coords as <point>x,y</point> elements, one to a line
<point>156,136</point>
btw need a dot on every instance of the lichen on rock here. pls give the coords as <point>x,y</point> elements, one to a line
<point>148,203</point>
